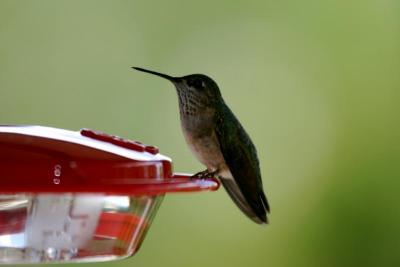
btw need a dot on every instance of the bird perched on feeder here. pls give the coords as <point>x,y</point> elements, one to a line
<point>218,140</point>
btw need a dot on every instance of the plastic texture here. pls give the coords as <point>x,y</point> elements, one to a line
<point>70,196</point>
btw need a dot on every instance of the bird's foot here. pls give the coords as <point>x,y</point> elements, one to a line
<point>204,174</point>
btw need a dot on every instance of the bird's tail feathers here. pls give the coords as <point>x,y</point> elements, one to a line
<point>234,192</point>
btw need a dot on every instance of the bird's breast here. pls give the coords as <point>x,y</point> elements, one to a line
<point>199,132</point>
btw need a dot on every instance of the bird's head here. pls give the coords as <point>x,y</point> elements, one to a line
<point>196,90</point>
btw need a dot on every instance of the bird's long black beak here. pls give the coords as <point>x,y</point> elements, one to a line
<point>165,76</point>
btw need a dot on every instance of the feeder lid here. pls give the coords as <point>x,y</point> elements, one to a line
<point>43,159</point>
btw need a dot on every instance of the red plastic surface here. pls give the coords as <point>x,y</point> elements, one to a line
<point>118,225</point>
<point>113,139</point>
<point>40,159</point>
<point>12,221</point>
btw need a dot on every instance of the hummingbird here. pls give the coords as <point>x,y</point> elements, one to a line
<point>218,140</point>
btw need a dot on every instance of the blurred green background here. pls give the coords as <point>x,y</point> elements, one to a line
<point>315,83</point>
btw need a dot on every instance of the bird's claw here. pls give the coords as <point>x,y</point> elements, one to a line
<point>203,175</point>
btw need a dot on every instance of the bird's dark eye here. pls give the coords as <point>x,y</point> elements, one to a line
<point>197,83</point>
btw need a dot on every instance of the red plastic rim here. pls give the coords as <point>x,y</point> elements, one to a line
<point>36,159</point>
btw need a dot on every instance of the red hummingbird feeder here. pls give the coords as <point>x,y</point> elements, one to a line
<point>83,196</point>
